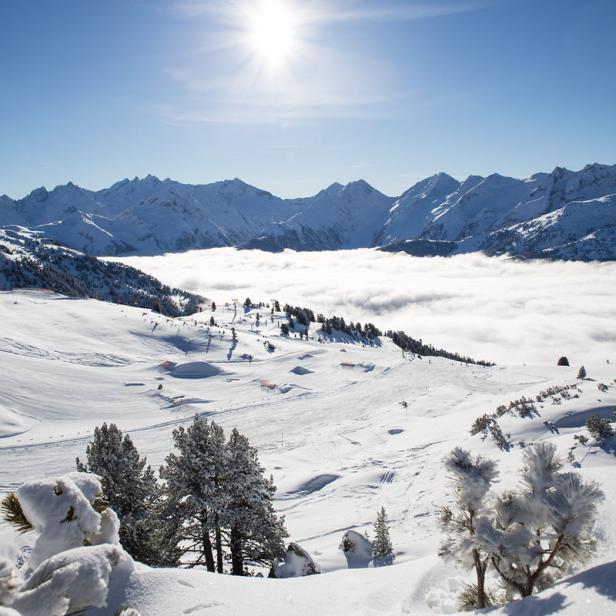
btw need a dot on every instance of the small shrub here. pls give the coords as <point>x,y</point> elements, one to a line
<point>600,429</point>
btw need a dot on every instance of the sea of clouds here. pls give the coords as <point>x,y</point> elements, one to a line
<point>489,308</point>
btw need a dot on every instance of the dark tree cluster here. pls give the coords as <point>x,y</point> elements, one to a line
<point>406,343</point>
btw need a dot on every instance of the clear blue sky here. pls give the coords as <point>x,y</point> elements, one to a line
<point>334,90</point>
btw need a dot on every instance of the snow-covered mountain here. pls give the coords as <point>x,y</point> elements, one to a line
<point>337,217</point>
<point>562,215</point>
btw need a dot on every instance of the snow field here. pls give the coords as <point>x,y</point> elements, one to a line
<point>336,439</point>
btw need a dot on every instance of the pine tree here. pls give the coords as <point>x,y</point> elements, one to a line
<point>195,488</point>
<point>582,373</point>
<point>537,534</point>
<point>472,478</point>
<point>213,306</point>
<point>284,329</point>
<point>255,531</point>
<point>382,549</point>
<point>130,489</point>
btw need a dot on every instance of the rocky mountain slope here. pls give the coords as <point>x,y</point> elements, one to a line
<point>559,215</point>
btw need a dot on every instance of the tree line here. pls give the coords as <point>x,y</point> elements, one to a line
<point>369,331</point>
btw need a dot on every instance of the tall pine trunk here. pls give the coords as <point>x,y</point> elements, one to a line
<point>218,539</point>
<point>207,545</point>
<point>235,544</point>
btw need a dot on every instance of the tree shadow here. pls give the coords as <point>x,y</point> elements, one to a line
<point>535,605</point>
<point>601,578</point>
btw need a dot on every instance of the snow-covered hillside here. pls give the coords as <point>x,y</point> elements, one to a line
<point>30,260</point>
<point>329,424</point>
<point>495,214</point>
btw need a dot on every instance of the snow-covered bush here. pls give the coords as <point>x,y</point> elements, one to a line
<point>531,536</point>
<point>67,513</point>
<point>76,551</point>
<point>357,549</point>
<point>487,424</point>
<point>537,534</point>
<point>472,478</point>
<point>297,563</point>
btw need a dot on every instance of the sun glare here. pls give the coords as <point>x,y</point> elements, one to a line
<point>272,32</point>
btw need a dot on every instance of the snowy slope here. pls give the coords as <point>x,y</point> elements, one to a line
<point>336,439</point>
<point>151,216</point>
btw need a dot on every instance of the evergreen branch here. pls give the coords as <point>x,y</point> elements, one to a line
<point>13,513</point>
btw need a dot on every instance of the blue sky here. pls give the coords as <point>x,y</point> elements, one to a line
<point>387,91</point>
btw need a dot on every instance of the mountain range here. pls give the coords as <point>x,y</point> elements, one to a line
<point>559,215</point>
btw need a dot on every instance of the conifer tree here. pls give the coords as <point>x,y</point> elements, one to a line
<point>131,490</point>
<point>582,373</point>
<point>194,484</point>
<point>255,531</point>
<point>382,549</point>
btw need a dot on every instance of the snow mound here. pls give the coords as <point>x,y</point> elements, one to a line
<point>11,423</point>
<point>84,575</point>
<point>192,370</point>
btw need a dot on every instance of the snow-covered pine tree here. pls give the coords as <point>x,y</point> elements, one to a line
<point>472,478</point>
<point>129,488</point>
<point>195,489</point>
<point>382,549</point>
<point>255,531</point>
<point>581,373</point>
<point>539,533</point>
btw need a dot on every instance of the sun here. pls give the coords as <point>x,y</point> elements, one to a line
<point>272,32</point>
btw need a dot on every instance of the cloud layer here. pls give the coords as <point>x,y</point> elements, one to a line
<point>489,308</point>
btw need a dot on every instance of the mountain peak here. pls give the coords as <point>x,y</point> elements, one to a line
<point>40,194</point>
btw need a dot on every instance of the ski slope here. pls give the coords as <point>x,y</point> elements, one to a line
<point>329,424</point>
